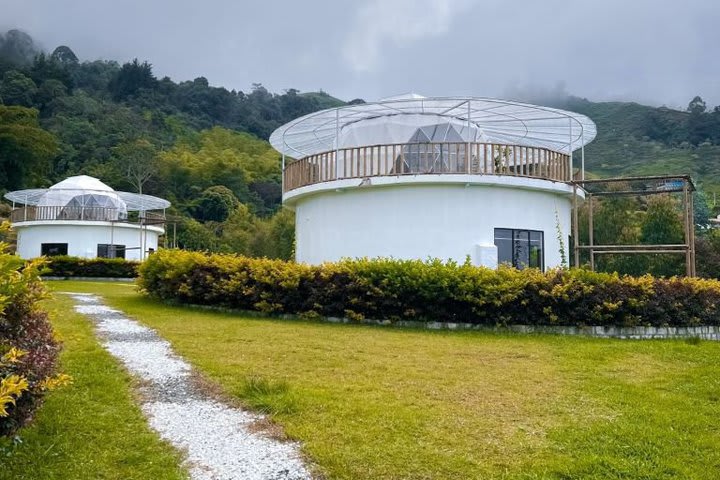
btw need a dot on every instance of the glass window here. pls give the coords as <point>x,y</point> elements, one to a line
<point>504,244</point>
<point>53,249</point>
<point>106,250</point>
<point>520,248</point>
<point>536,259</point>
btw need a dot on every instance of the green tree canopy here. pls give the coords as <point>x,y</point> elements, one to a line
<point>25,148</point>
<point>219,157</point>
<point>64,55</point>
<point>131,79</point>
<point>215,204</point>
<point>17,89</point>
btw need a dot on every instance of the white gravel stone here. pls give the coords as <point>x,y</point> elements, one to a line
<point>121,326</point>
<point>217,435</point>
<point>84,298</point>
<point>95,309</point>
<point>218,439</point>
<point>149,360</point>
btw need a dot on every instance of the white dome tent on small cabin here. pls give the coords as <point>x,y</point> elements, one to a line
<point>83,217</point>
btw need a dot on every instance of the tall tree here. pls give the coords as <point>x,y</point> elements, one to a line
<point>699,122</point>
<point>64,55</point>
<point>138,159</point>
<point>17,89</point>
<point>17,47</point>
<point>131,79</point>
<point>25,148</point>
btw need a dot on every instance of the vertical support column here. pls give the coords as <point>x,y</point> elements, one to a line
<point>282,175</point>
<point>575,228</point>
<point>591,234</point>
<point>582,156</point>
<point>686,210</point>
<point>468,157</point>
<point>569,175</point>
<point>337,138</point>
<point>692,235</point>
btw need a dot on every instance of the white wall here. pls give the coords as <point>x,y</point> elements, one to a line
<point>448,220</point>
<point>83,237</point>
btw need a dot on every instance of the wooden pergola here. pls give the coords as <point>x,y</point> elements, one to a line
<point>636,186</point>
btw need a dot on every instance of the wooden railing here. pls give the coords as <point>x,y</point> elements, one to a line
<point>428,158</point>
<point>90,214</point>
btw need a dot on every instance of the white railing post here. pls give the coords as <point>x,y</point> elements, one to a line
<point>337,140</point>
<point>570,146</point>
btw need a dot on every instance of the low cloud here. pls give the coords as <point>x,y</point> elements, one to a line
<point>387,24</point>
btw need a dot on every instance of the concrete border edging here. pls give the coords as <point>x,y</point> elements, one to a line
<point>704,332</point>
<point>95,279</point>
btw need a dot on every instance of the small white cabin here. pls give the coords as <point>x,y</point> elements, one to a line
<point>83,217</point>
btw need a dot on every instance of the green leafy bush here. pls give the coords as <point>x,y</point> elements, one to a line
<point>387,289</point>
<point>28,352</point>
<point>65,266</point>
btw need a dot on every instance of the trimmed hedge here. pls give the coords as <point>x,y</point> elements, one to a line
<point>65,266</point>
<point>430,291</point>
<point>28,351</point>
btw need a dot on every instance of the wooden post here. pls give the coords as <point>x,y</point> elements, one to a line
<point>692,235</point>
<point>575,227</point>
<point>686,210</point>
<point>591,234</point>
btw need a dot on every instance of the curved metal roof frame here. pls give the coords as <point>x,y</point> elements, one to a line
<point>134,201</point>
<point>501,121</point>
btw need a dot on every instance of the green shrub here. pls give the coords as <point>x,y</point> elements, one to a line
<point>65,266</point>
<point>430,291</point>
<point>28,352</point>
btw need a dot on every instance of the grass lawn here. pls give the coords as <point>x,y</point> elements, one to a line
<point>92,428</point>
<point>381,403</point>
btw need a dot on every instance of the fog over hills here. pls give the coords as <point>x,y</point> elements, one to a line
<point>656,53</point>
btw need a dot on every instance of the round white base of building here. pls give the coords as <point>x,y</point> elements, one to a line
<point>488,219</point>
<point>87,239</point>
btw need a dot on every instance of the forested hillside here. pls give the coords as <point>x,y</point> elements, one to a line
<point>636,139</point>
<point>198,146</point>
<point>204,148</point>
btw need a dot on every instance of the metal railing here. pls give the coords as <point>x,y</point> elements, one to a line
<point>32,213</point>
<point>428,158</point>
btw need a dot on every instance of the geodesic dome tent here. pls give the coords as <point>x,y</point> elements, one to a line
<point>422,158</point>
<point>94,206</point>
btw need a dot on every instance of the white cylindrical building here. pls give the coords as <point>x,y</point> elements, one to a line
<point>416,178</point>
<point>83,217</point>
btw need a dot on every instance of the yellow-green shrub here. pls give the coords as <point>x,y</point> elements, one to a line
<point>28,352</point>
<point>430,291</point>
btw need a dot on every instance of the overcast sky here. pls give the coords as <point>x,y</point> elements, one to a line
<point>652,51</point>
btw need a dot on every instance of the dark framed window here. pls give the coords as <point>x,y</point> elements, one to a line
<point>53,249</point>
<point>520,248</point>
<point>106,250</point>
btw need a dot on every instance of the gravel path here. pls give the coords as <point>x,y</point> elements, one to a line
<point>219,440</point>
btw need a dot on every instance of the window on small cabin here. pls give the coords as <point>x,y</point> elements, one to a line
<point>520,248</point>
<point>53,249</point>
<point>106,250</point>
